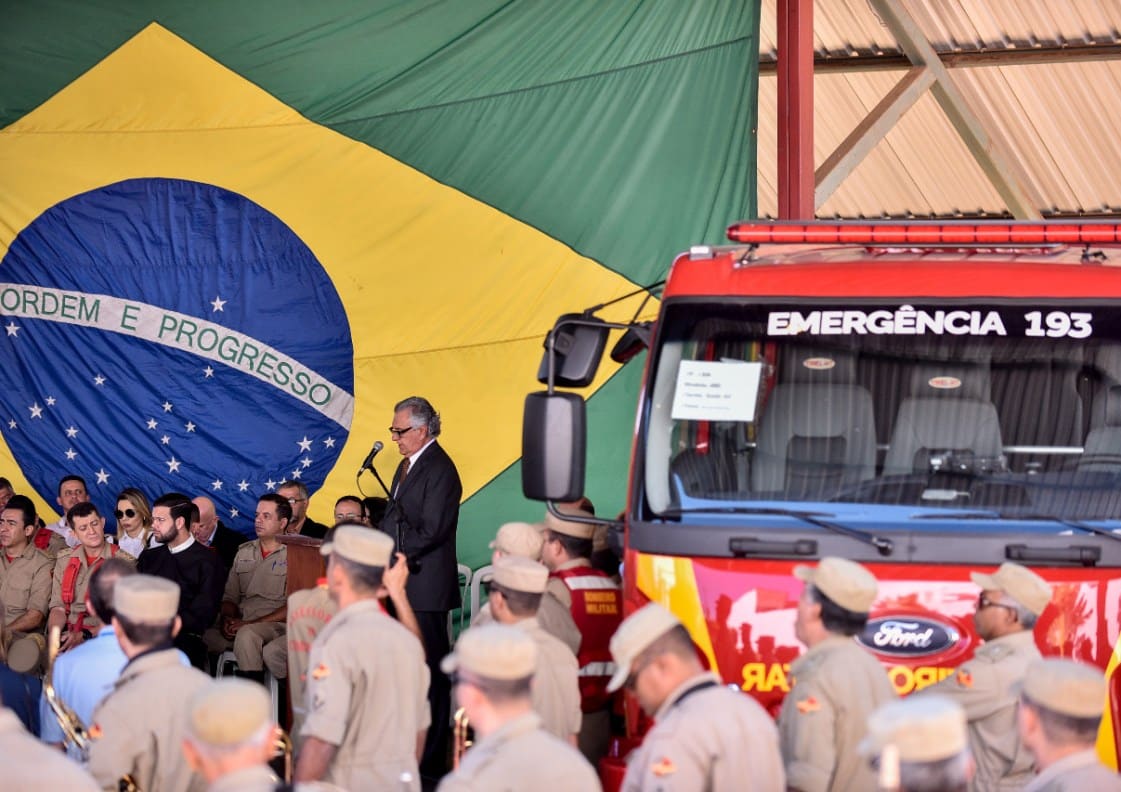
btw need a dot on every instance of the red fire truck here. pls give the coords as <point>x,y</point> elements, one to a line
<point>927,399</point>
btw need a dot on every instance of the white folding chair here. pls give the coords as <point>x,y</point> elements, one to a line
<point>481,576</point>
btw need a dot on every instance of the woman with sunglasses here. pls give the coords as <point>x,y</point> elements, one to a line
<point>134,521</point>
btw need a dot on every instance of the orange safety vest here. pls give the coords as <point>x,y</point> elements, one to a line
<point>69,585</point>
<point>597,609</point>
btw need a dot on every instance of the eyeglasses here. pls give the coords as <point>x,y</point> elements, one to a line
<point>341,517</point>
<point>296,500</point>
<point>984,602</point>
<point>401,432</point>
<point>130,513</point>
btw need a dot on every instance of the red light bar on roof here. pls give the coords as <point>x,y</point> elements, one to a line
<point>931,234</point>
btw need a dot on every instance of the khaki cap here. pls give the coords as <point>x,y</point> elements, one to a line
<point>580,530</point>
<point>519,539</point>
<point>1066,687</point>
<point>367,546</point>
<point>922,728</point>
<point>1019,583</point>
<point>229,711</point>
<point>635,634</point>
<point>521,574</point>
<point>146,599</point>
<point>845,582</point>
<point>493,651</point>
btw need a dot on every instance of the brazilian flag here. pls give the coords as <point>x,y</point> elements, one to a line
<point>234,234</point>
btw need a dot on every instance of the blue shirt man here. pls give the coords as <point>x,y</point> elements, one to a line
<point>82,678</point>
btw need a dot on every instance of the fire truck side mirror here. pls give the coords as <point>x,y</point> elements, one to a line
<point>578,341</point>
<point>554,436</point>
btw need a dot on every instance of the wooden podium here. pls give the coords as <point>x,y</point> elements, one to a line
<point>305,564</point>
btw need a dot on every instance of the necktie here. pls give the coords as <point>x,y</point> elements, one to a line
<point>404,472</point>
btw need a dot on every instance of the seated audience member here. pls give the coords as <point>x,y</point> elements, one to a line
<point>18,689</point>
<point>350,509</point>
<point>375,509</point>
<point>255,603</point>
<point>919,745</point>
<point>195,569</point>
<point>25,573</point>
<point>211,532</point>
<point>30,766</point>
<point>6,491</point>
<point>71,575</point>
<point>295,492</point>
<point>134,521</point>
<point>1061,707</point>
<point>59,536</point>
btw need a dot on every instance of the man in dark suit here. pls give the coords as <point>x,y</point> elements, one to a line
<point>421,517</point>
<point>210,532</point>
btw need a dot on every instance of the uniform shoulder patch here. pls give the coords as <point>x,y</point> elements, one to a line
<point>964,678</point>
<point>95,732</point>
<point>663,767</point>
<point>321,671</point>
<point>808,704</point>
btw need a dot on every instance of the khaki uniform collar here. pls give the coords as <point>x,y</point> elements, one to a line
<point>1012,642</point>
<point>523,724</point>
<point>150,661</point>
<point>671,700</point>
<point>573,563</point>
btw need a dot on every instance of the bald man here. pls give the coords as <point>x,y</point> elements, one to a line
<point>210,532</point>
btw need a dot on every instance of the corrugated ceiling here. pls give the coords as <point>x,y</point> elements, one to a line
<point>1055,112</point>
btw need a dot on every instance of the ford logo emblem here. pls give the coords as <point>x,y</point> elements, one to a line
<point>907,636</point>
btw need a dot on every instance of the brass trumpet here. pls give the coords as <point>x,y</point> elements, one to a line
<point>462,737</point>
<point>73,730</point>
<point>282,746</point>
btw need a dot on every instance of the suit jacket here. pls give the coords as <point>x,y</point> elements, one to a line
<point>226,541</point>
<point>200,576</point>
<point>423,518</point>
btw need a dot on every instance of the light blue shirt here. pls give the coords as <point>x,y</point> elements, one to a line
<point>82,678</point>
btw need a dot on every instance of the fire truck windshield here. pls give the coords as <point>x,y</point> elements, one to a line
<point>886,409</point>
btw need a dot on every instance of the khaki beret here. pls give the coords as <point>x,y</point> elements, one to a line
<point>146,599</point>
<point>229,711</point>
<point>1066,687</point>
<point>1019,583</point>
<point>520,574</point>
<point>921,728</point>
<point>493,651</point>
<point>635,634</point>
<point>579,530</point>
<point>519,539</point>
<point>366,546</point>
<point>845,582</point>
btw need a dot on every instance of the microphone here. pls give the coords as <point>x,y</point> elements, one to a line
<point>368,463</point>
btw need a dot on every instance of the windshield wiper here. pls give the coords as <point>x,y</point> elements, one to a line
<point>987,514</point>
<point>883,545</point>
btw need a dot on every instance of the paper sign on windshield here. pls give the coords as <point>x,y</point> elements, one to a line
<point>710,390</point>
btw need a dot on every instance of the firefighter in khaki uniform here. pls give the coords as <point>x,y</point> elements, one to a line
<point>367,688</point>
<point>837,684</point>
<point>1061,704</point>
<point>30,766</point>
<point>705,735</point>
<point>138,728</point>
<point>596,604</point>
<point>919,744</point>
<point>72,572</point>
<point>525,540</point>
<point>1010,602</point>
<point>519,585</point>
<point>25,577</point>
<point>255,603</point>
<point>492,669</point>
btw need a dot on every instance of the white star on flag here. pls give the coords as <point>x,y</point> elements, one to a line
<point>208,371</point>
<point>242,485</point>
<point>165,439</point>
<point>50,401</point>
<point>167,406</point>
<point>102,476</point>
<point>99,380</point>
<point>12,424</point>
<point>295,474</point>
<point>306,462</point>
<point>152,423</point>
<point>36,411</point>
<point>13,329</point>
<point>70,454</point>
<point>218,304</point>
<point>71,431</point>
<point>305,444</point>
<point>216,484</point>
<point>270,484</point>
<point>234,512</point>
<point>172,465</point>
<point>329,442</point>
<point>190,427</point>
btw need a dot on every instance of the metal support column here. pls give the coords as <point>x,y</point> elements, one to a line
<point>795,109</point>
